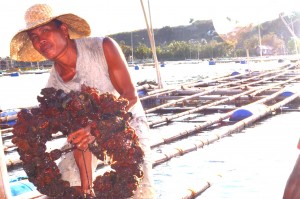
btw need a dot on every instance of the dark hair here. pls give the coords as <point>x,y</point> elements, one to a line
<point>57,22</point>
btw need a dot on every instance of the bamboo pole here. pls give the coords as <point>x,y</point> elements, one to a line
<point>202,186</point>
<point>7,130</point>
<point>262,80</point>
<point>228,99</point>
<point>205,98</point>
<point>204,92</point>
<point>145,86</point>
<point>181,150</point>
<point>152,43</point>
<point>4,180</point>
<point>8,118</point>
<point>217,79</point>
<point>215,119</point>
<point>158,92</point>
<point>174,116</point>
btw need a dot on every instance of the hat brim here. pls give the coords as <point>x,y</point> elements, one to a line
<point>21,48</point>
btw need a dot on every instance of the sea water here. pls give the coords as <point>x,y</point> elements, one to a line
<point>254,163</point>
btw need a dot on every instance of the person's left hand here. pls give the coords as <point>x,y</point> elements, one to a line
<point>81,138</point>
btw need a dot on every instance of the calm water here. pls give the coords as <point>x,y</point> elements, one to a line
<point>254,163</point>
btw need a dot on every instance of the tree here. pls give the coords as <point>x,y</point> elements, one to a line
<point>273,41</point>
<point>250,44</point>
<point>142,51</point>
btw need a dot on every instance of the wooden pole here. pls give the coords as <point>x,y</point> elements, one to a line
<point>213,120</point>
<point>181,150</point>
<point>210,90</point>
<point>202,186</point>
<point>152,43</point>
<point>4,180</point>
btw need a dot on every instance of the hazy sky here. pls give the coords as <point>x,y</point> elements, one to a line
<point>113,16</point>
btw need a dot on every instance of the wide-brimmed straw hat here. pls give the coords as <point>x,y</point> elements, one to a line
<point>21,48</point>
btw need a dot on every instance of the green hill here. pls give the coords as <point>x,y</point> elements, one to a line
<point>273,33</point>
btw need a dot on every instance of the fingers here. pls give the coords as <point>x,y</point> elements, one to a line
<point>81,138</point>
<point>77,136</point>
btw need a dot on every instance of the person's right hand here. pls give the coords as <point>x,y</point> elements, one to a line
<point>81,138</point>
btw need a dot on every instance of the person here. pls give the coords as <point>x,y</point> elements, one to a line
<point>292,187</point>
<point>80,59</point>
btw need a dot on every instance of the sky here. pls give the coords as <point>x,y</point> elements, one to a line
<point>114,16</point>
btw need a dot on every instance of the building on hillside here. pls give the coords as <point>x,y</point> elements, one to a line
<point>265,50</point>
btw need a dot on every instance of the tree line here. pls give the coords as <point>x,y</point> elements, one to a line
<point>199,40</point>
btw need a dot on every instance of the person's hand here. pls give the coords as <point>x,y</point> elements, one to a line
<point>81,138</point>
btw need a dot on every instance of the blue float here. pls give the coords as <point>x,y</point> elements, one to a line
<point>247,111</point>
<point>286,94</point>
<point>211,63</point>
<point>16,74</point>
<point>243,62</point>
<point>9,122</point>
<point>136,67</point>
<point>142,93</point>
<point>235,73</point>
<point>8,113</point>
<point>20,187</point>
<point>289,91</point>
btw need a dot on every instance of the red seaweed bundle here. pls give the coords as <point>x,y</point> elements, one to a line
<point>67,112</point>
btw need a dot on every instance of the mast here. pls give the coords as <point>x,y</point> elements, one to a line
<point>291,30</point>
<point>131,48</point>
<point>259,39</point>
<point>152,42</point>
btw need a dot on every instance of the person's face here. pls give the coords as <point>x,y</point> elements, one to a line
<point>49,40</point>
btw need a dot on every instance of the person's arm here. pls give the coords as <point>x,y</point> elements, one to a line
<point>118,71</point>
<point>83,156</point>
<point>292,188</point>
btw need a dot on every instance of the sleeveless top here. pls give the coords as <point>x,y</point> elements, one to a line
<point>92,70</point>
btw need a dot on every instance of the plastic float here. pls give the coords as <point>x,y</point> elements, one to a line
<point>235,73</point>
<point>289,91</point>
<point>16,74</point>
<point>8,118</point>
<point>211,62</point>
<point>20,186</point>
<point>247,111</point>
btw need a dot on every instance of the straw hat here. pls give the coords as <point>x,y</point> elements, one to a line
<point>21,48</point>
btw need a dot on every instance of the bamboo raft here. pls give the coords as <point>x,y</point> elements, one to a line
<point>206,104</point>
